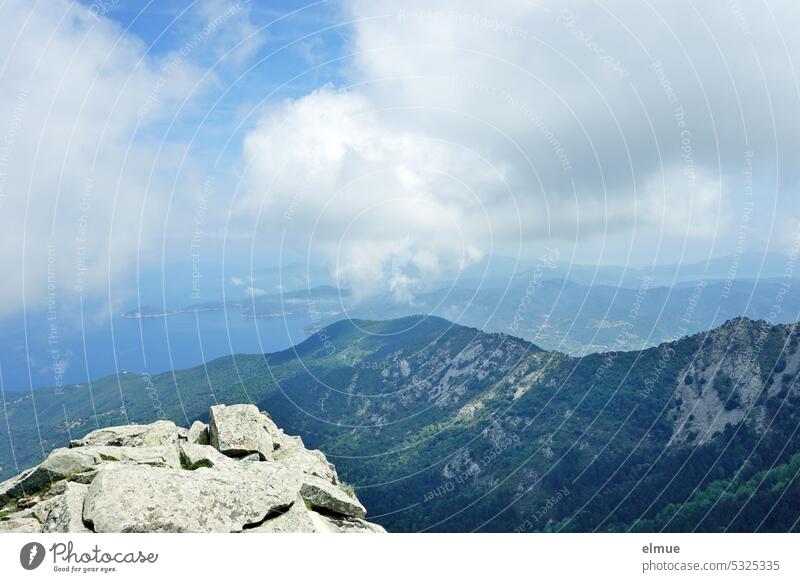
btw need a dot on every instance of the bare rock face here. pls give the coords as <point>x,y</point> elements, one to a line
<point>160,478</point>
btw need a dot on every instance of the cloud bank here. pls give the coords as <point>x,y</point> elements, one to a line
<point>472,129</point>
<point>77,198</point>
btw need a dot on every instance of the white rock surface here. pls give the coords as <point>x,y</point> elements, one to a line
<point>158,478</point>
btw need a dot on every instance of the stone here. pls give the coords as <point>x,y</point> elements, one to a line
<point>252,458</point>
<point>339,525</point>
<point>239,430</point>
<point>20,525</point>
<point>196,456</point>
<point>198,433</point>
<point>153,478</point>
<point>311,462</point>
<point>26,502</point>
<point>84,477</point>
<point>162,432</point>
<point>323,495</point>
<point>158,456</point>
<point>65,514</point>
<point>60,464</point>
<point>300,519</point>
<point>129,498</point>
<point>297,519</point>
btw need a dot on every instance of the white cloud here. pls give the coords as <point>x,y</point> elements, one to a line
<point>697,212</point>
<point>78,199</point>
<point>364,192</point>
<point>509,124</point>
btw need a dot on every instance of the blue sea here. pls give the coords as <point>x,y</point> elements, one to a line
<point>73,340</point>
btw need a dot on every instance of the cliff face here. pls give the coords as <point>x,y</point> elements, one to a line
<point>239,473</point>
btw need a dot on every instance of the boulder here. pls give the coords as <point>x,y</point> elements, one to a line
<point>323,495</point>
<point>65,512</point>
<point>60,464</point>
<point>84,477</point>
<point>154,478</point>
<point>297,519</point>
<point>337,525</point>
<point>158,456</point>
<point>252,457</point>
<point>239,430</point>
<point>196,456</point>
<point>198,433</point>
<point>300,519</point>
<point>162,432</point>
<point>312,462</point>
<point>14,524</point>
<point>126,498</point>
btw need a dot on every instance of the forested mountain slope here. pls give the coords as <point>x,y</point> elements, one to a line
<point>446,428</point>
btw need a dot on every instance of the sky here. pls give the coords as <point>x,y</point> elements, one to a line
<point>392,143</point>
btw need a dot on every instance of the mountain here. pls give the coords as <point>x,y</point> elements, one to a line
<point>497,271</point>
<point>442,427</point>
<point>561,315</point>
<point>240,473</point>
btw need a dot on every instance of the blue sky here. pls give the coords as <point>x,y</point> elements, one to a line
<point>291,39</point>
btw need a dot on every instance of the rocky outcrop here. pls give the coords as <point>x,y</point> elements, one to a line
<point>727,383</point>
<point>240,473</point>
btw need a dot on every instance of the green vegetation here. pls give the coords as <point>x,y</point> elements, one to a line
<point>445,428</point>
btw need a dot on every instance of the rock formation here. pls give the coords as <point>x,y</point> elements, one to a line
<point>240,473</point>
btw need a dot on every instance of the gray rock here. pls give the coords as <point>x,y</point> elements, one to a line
<point>162,432</point>
<point>65,462</point>
<point>282,440</point>
<point>198,433</point>
<point>297,519</point>
<point>27,502</point>
<point>14,487</point>
<point>12,524</point>
<point>65,512</point>
<point>353,525</point>
<point>60,464</point>
<point>196,456</point>
<point>251,458</point>
<point>151,479</point>
<point>300,519</point>
<point>158,456</point>
<point>312,462</point>
<point>84,477</point>
<point>323,495</point>
<point>239,430</point>
<point>127,498</point>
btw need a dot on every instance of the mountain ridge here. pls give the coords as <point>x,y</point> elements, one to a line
<point>501,424</point>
